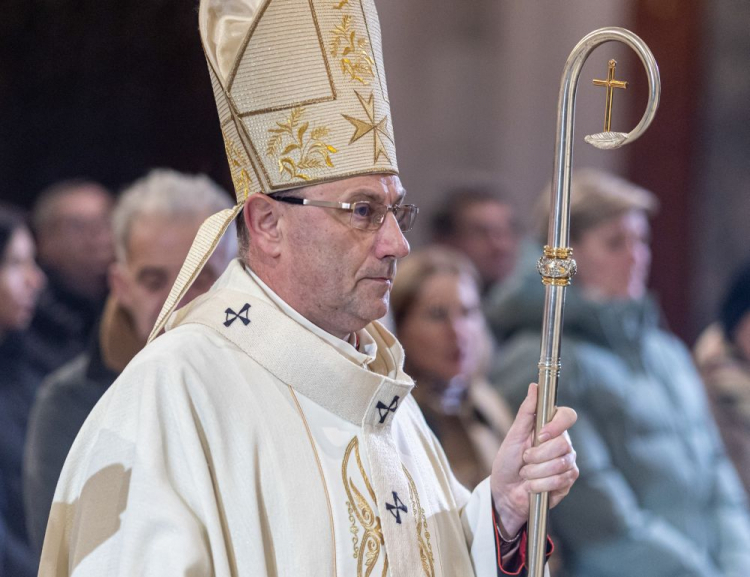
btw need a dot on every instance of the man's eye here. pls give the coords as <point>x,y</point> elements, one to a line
<point>362,210</point>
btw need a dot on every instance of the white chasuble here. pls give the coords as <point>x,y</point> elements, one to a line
<point>244,443</point>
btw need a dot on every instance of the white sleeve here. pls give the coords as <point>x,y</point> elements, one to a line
<point>479,530</point>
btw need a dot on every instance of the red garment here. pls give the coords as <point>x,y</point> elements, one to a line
<point>513,561</point>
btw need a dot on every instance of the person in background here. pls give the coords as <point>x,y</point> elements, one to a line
<point>657,494</point>
<point>154,223</point>
<point>479,220</point>
<point>21,281</point>
<point>438,318</point>
<point>723,356</point>
<point>71,222</point>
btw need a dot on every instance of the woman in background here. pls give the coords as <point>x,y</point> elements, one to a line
<point>657,495</point>
<point>20,283</point>
<point>723,356</point>
<point>436,310</point>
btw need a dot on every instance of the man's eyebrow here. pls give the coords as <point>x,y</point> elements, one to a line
<point>373,196</point>
<point>364,193</point>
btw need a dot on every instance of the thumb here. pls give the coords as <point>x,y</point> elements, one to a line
<point>525,419</point>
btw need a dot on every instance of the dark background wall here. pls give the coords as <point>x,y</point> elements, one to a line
<point>109,90</point>
<point>102,89</point>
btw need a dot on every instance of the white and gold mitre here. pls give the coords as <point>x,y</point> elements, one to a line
<point>300,89</point>
<point>302,99</point>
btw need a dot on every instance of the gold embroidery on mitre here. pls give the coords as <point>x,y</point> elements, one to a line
<point>356,62</point>
<point>304,150</point>
<point>367,551</point>
<point>363,128</point>
<point>423,532</point>
<point>340,5</point>
<point>240,177</point>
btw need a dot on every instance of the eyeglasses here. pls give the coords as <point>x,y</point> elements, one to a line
<point>365,215</point>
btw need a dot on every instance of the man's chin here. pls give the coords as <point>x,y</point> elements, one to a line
<point>375,310</point>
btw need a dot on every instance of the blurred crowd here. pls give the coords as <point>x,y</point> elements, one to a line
<point>663,433</point>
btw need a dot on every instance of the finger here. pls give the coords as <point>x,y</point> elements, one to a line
<point>549,468</point>
<point>549,450</point>
<point>560,484</point>
<point>525,418</point>
<point>556,496</point>
<point>564,418</point>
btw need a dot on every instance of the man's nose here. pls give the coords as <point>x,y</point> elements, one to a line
<point>391,241</point>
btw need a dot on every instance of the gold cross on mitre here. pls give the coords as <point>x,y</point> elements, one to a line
<point>611,84</point>
<point>362,127</point>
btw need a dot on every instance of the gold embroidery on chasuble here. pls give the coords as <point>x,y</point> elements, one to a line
<point>361,506</point>
<point>423,531</point>
<point>300,148</point>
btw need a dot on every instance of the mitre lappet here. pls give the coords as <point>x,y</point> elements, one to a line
<point>302,99</point>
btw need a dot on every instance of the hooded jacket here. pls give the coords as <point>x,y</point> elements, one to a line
<point>656,495</point>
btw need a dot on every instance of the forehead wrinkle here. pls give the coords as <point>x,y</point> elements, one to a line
<point>370,193</point>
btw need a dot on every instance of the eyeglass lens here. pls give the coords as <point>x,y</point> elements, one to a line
<point>369,215</point>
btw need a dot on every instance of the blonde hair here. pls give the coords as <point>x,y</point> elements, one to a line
<point>596,196</point>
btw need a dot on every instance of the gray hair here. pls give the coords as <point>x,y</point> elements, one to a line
<point>167,193</point>
<point>596,196</point>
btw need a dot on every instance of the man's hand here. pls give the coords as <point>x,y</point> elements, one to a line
<point>520,468</point>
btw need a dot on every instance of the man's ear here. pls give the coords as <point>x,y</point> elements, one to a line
<point>262,218</point>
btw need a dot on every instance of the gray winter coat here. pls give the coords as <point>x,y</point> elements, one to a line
<point>657,496</point>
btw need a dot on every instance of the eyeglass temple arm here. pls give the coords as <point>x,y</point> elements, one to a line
<point>308,202</point>
<point>288,199</point>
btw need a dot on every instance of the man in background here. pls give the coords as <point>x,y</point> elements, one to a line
<point>154,224</point>
<point>71,221</point>
<point>479,220</point>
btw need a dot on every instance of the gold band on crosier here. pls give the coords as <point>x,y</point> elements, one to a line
<point>556,266</point>
<point>550,281</point>
<point>560,253</point>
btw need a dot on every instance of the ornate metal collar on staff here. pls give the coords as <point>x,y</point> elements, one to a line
<point>557,265</point>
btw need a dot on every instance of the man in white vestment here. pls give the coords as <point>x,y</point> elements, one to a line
<point>270,431</point>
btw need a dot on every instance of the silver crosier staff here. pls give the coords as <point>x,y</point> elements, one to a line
<point>557,265</point>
